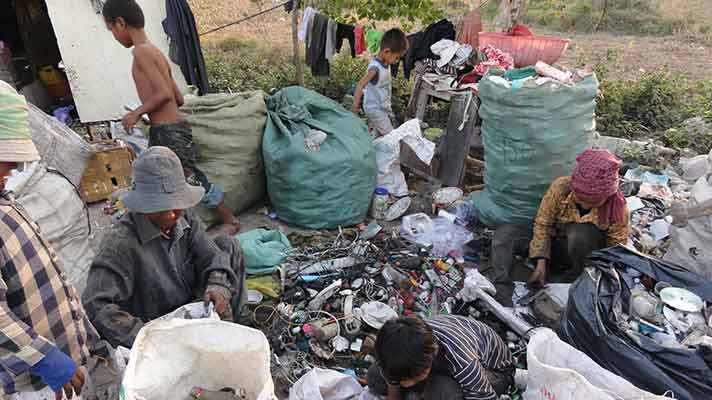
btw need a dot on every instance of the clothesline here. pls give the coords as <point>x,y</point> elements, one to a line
<point>247,18</point>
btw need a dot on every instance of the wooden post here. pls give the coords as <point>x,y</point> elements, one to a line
<point>295,44</point>
<point>456,142</point>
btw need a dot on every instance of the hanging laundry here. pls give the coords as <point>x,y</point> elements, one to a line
<point>373,39</point>
<point>306,18</point>
<point>469,32</point>
<point>345,32</point>
<point>360,38</point>
<point>316,48</point>
<point>442,29</point>
<point>180,27</point>
<point>330,49</point>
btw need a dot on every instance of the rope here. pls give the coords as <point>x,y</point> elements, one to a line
<point>246,18</point>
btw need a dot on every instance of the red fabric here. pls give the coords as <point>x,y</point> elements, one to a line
<point>469,32</point>
<point>595,179</point>
<point>521,30</point>
<point>495,58</point>
<point>360,36</point>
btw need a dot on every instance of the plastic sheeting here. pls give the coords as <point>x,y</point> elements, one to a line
<point>324,384</point>
<point>60,147</point>
<point>227,131</point>
<point>531,136</point>
<point>263,250</point>
<point>169,357</point>
<point>589,323</point>
<point>328,188</point>
<point>559,371</point>
<point>54,204</point>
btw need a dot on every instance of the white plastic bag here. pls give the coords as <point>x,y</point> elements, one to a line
<point>170,357</point>
<point>55,205</point>
<point>387,148</point>
<point>559,371</point>
<point>325,384</point>
<point>441,233</point>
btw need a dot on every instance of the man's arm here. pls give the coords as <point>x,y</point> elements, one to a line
<point>176,92</point>
<point>211,263</point>
<point>358,93</point>
<point>23,350</point>
<point>109,285</point>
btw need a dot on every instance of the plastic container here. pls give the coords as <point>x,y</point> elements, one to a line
<point>380,203</point>
<point>527,50</point>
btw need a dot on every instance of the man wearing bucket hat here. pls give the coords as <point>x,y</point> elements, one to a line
<point>158,257</point>
<point>45,332</point>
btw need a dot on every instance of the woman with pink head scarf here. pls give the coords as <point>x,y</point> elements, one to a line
<point>579,214</point>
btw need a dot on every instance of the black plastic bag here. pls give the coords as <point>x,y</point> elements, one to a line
<point>589,324</point>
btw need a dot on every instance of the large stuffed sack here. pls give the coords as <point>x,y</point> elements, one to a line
<point>53,202</point>
<point>531,136</point>
<point>60,147</point>
<point>320,160</point>
<point>227,132</point>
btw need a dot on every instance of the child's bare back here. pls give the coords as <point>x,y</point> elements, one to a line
<point>154,83</point>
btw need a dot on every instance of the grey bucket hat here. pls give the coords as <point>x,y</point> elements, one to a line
<point>159,184</point>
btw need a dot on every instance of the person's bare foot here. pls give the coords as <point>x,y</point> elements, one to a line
<point>227,217</point>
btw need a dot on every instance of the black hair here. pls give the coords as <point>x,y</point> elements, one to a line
<point>129,10</point>
<point>394,40</point>
<point>405,347</point>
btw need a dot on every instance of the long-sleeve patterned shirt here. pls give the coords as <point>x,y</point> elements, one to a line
<point>39,309</point>
<point>557,209</point>
<point>470,348</point>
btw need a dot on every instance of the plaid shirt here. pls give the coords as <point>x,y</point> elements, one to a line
<point>39,309</point>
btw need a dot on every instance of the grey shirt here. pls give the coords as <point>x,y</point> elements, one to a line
<point>140,275</point>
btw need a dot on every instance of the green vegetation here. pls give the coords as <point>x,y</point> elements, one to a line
<point>653,107</point>
<point>623,16</point>
<point>238,65</point>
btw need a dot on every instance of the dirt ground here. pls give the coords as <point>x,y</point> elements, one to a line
<point>633,56</point>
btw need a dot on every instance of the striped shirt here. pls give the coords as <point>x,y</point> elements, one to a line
<point>469,348</point>
<point>39,309</point>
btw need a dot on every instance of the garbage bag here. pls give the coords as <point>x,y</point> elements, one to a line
<point>388,151</point>
<point>590,324</point>
<point>690,244</point>
<point>169,357</point>
<point>263,250</point>
<point>61,148</point>
<point>227,132</point>
<point>324,188</point>
<point>325,384</point>
<point>54,203</point>
<point>559,371</point>
<point>531,137</point>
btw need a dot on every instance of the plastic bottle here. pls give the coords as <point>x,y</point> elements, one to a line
<point>380,203</point>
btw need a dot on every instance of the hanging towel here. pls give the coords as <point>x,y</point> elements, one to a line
<point>317,46</point>
<point>373,39</point>
<point>308,15</point>
<point>330,49</point>
<point>360,38</point>
<point>344,31</point>
<point>180,27</point>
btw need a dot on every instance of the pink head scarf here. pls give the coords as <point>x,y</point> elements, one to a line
<point>595,179</point>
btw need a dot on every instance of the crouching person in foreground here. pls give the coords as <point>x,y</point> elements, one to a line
<point>47,340</point>
<point>441,358</point>
<point>158,257</point>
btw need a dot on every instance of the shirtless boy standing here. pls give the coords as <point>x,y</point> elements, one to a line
<point>160,99</point>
